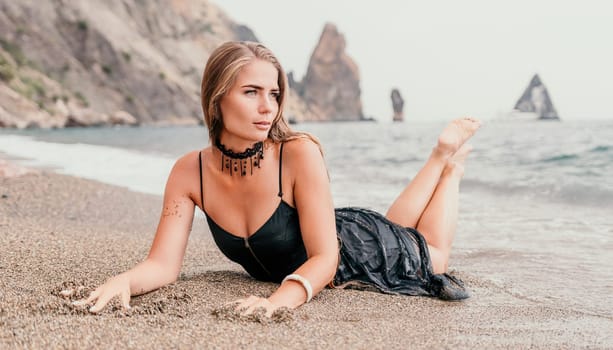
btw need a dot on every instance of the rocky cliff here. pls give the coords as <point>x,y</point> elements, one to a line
<point>535,99</point>
<point>331,86</point>
<point>66,62</point>
<point>82,63</point>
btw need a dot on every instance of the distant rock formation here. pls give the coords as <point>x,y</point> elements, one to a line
<point>75,63</point>
<point>535,99</point>
<point>331,87</point>
<point>397,105</point>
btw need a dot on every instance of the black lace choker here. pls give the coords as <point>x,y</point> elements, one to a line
<point>235,162</point>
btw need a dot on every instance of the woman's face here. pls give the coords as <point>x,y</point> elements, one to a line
<point>250,106</point>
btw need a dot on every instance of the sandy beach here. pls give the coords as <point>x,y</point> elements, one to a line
<point>59,232</point>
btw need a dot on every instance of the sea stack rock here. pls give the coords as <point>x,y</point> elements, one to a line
<point>535,99</point>
<point>331,87</point>
<point>397,105</point>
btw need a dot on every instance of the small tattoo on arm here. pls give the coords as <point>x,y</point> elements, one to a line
<point>173,209</point>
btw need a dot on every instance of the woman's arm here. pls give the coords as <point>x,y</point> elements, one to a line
<point>313,200</point>
<point>163,263</point>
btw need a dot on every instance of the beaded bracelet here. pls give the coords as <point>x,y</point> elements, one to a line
<point>305,284</point>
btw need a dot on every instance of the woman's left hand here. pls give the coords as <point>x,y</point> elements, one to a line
<point>248,305</point>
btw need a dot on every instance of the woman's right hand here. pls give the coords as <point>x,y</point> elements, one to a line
<point>117,285</point>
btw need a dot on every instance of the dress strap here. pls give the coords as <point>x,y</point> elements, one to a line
<point>280,194</point>
<point>201,192</point>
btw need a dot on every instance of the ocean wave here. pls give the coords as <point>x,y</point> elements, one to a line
<point>599,152</point>
<point>135,170</point>
<point>601,148</point>
<point>559,158</point>
<point>571,193</point>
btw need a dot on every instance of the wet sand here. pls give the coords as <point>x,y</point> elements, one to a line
<point>59,232</point>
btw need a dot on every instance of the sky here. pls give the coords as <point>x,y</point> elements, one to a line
<point>452,58</point>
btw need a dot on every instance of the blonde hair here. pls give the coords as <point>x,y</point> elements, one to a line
<point>220,73</point>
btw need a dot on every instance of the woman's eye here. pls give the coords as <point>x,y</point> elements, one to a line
<point>275,94</point>
<point>250,92</point>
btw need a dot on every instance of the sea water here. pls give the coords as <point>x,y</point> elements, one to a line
<point>536,198</point>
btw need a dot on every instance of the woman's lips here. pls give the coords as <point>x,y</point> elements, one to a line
<point>262,125</point>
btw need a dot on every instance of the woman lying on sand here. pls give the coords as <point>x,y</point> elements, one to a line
<point>257,165</point>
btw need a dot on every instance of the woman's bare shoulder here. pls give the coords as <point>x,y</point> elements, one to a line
<point>183,179</point>
<point>302,148</point>
<point>188,163</point>
<point>302,155</point>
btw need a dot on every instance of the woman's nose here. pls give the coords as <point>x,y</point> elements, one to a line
<point>266,104</point>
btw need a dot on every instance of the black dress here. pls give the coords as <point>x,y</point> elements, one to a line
<point>376,253</point>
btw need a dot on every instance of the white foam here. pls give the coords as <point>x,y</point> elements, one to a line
<point>136,171</point>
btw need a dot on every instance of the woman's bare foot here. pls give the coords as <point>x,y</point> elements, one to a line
<point>454,135</point>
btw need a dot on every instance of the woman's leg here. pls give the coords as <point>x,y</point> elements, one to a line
<point>410,205</point>
<point>438,221</point>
